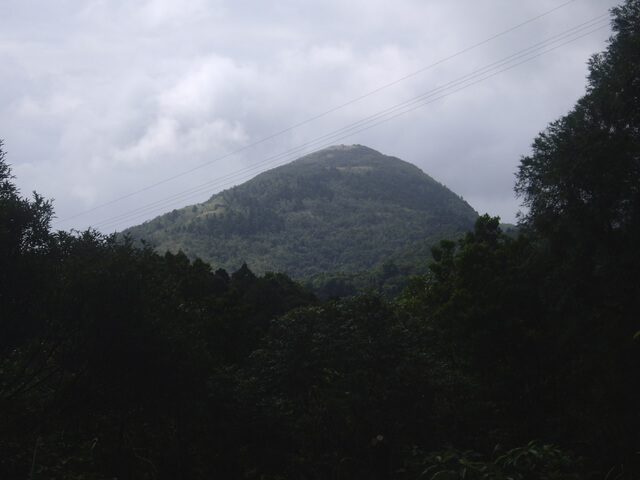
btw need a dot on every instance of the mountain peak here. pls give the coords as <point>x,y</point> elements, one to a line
<point>343,208</point>
<point>336,154</point>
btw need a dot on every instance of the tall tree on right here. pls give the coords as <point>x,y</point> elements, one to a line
<point>581,188</point>
<point>584,173</point>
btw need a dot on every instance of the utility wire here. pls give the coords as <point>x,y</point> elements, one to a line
<point>383,116</point>
<point>288,129</point>
<point>345,132</point>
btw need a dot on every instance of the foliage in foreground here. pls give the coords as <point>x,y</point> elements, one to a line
<point>530,462</point>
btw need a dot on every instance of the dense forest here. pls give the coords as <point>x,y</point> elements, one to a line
<point>513,357</point>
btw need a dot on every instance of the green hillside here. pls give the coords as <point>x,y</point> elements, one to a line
<point>344,208</point>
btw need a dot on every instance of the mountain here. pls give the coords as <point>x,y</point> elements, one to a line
<point>343,208</point>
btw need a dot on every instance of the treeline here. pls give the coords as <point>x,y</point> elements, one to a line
<point>118,362</point>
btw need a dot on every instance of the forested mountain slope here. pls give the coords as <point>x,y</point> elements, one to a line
<point>343,208</point>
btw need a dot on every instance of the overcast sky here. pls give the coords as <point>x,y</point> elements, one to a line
<point>123,110</point>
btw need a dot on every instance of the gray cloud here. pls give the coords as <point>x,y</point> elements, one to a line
<point>104,99</point>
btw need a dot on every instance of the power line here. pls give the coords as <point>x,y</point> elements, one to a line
<point>383,116</point>
<point>352,129</point>
<point>332,110</point>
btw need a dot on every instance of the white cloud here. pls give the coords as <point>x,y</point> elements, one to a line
<point>104,98</point>
<point>160,13</point>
